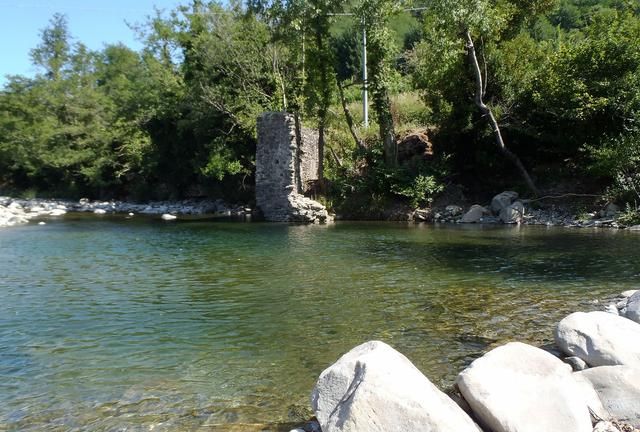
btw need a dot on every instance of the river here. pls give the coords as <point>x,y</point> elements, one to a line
<point>114,323</point>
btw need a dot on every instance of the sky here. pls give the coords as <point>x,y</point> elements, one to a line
<point>92,22</point>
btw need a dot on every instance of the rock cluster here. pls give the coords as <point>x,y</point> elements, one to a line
<point>513,388</point>
<point>17,211</point>
<point>508,208</point>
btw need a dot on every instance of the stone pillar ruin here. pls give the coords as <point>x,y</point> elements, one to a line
<point>287,164</point>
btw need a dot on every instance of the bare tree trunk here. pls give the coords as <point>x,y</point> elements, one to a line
<point>348,116</point>
<point>387,131</point>
<point>335,157</point>
<point>492,120</point>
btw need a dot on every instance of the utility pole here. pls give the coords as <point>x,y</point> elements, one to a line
<point>365,82</point>
<point>365,95</point>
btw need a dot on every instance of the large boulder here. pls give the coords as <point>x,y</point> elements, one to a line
<point>520,388</point>
<point>374,388</point>
<point>513,213</point>
<point>599,338</point>
<point>502,201</point>
<point>475,214</point>
<point>619,390</point>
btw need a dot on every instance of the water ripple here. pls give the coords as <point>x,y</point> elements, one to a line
<point>115,324</point>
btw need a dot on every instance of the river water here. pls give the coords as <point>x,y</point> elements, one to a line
<point>134,324</point>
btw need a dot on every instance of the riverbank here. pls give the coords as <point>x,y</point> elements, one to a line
<point>15,211</point>
<point>589,381</point>
<point>504,209</point>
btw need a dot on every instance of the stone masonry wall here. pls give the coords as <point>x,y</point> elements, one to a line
<point>286,166</point>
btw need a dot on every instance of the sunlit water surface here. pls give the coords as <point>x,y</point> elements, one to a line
<point>117,324</point>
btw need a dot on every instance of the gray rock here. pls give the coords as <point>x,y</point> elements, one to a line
<point>374,388</point>
<point>513,213</point>
<point>599,338</point>
<point>611,210</point>
<point>422,215</point>
<point>632,309</point>
<point>628,293</point>
<point>453,210</point>
<point>612,309</point>
<point>619,390</point>
<point>509,384</point>
<point>634,228</point>
<point>502,201</point>
<point>605,426</point>
<point>474,214</point>
<point>576,363</point>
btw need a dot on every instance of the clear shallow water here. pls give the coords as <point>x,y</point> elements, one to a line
<point>136,324</point>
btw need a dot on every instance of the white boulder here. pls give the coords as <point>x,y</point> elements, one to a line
<point>520,388</point>
<point>168,217</point>
<point>599,338</point>
<point>374,388</point>
<point>619,390</point>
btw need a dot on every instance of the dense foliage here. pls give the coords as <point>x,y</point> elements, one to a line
<point>561,79</point>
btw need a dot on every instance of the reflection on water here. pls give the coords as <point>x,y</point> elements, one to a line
<point>115,324</point>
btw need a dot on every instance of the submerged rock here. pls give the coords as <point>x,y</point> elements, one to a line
<point>509,384</point>
<point>600,338</point>
<point>374,388</point>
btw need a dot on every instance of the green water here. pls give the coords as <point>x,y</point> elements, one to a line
<point>141,325</point>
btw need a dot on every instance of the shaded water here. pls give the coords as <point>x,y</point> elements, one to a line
<point>113,324</point>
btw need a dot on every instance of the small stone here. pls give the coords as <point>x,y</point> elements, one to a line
<point>57,212</point>
<point>605,426</point>
<point>576,363</point>
<point>453,210</point>
<point>612,308</point>
<point>99,211</point>
<point>42,223</point>
<point>168,217</point>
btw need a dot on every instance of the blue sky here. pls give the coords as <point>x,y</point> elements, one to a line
<point>92,22</point>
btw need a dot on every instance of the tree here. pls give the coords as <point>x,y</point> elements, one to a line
<point>461,24</point>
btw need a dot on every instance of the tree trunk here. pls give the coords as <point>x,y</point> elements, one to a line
<point>387,132</point>
<point>486,111</point>
<point>348,116</point>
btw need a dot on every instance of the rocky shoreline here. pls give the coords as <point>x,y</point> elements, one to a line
<point>14,211</point>
<point>506,208</point>
<point>591,384</point>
